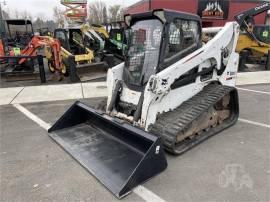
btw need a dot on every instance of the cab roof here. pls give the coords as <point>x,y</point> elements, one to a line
<point>18,22</point>
<point>169,15</point>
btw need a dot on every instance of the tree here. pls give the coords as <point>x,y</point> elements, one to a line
<point>6,15</point>
<point>39,23</point>
<point>51,25</point>
<point>17,14</point>
<point>96,12</point>
<point>120,15</point>
<point>58,16</point>
<point>105,16</point>
<point>114,12</point>
<point>26,15</point>
<point>42,25</point>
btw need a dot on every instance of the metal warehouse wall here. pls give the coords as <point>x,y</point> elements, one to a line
<point>235,6</point>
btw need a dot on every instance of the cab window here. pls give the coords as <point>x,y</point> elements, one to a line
<point>183,37</point>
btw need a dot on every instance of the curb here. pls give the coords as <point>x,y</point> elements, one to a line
<point>31,94</point>
<point>247,78</point>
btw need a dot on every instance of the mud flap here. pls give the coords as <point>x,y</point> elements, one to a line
<point>118,154</point>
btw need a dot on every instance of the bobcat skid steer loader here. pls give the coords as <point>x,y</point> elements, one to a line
<point>171,92</point>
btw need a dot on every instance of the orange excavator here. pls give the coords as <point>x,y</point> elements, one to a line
<point>21,51</point>
<point>20,65</point>
<point>52,50</point>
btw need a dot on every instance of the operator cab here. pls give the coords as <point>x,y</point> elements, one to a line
<point>156,40</point>
<point>262,32</point>
<point>116,43</point>
<point>71,39</point>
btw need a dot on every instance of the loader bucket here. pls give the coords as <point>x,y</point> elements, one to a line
<point>87,71</point>
<point>118,154</point>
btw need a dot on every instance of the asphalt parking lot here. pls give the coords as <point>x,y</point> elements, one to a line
<point>231,166</point>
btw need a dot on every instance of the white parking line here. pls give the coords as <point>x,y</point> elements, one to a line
<point>146,194</point>
<point>140,190</point>
<point>32,116</point>
<point>254,123</point>
<point>254,91</point>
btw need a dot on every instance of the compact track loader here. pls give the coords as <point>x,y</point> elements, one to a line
<point>93,40</point>
<point>171,92</point>
<point>78,60</point>
<point>116,43</point>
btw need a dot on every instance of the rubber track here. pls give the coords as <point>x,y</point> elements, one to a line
<point>169,124</point>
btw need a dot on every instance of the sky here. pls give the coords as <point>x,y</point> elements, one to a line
<point>44,8</point>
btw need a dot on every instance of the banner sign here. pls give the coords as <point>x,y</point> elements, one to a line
<point>213,9</point>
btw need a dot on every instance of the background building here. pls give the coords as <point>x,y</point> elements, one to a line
<point>213,12</point>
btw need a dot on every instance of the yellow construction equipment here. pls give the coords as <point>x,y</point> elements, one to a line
<point>254,41</point>
<point>78,60</point>
<point>101,30</point>
<point>19,50</point>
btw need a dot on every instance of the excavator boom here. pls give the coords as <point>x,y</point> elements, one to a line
<point>244,17</point>
<point>254,41</point>
<point>42,41</point>
<point>240,18</point>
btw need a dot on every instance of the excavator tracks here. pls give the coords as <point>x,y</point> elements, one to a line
<point>205,114</point>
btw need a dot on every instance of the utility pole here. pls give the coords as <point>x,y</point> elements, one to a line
<point>149,5</point>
